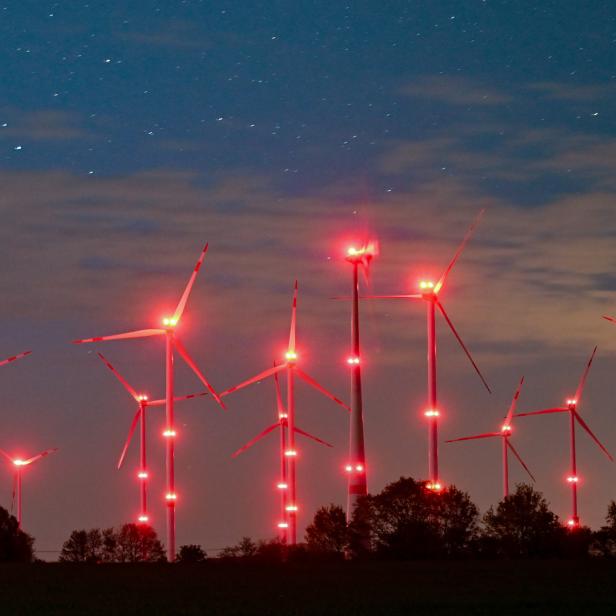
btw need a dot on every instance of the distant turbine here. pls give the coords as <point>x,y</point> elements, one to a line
<point>356,466</point>
<point>18,464</point>
<point>505,435</point>
<point>143,403</point>
<point>571,408</point>
<point>171,342</point>
<point>290,366</point>
<point>282,484</point>
<point>429,293</point>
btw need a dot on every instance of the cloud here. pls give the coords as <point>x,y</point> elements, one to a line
<point>40,125</point>
<point>572,92</point>
<point>177,34</point>
<point>455,90</point>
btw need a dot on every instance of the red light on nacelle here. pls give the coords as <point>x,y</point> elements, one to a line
<point>506,428</point>
<point>291,356</point>
<point>431,413</point>
<point>571,402</point>
<point>282,416</point>
<point>170,322</point>
<point>142,398</point>
<point>19,462</point>
<point>425,285</point>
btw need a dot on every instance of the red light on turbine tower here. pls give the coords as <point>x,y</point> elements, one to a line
<point>506,429</point>
<point>573,479</point>
<point>571,523</point>
<point>283,525</point>
<point>353,360</point>
<point>142,475</point>
<point>143,519</point>
<point>431,413</point>
<point>171,497</point>
<point>435,486</point>
<point>169,433</point>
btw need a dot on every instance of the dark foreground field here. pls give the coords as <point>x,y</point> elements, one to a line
<point>524,587</point>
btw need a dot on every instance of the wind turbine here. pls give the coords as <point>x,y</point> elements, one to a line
<point>505,434</point>
<point>143,403</point>
<point>292,370</point>
<point>356,466</point>
<point>172,342</point>
<point>282,485</point>
<point>18,464</point>
<point>572,409</point>
<point>429,293</point>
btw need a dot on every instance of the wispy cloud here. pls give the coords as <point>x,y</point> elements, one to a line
<point>455,90</point>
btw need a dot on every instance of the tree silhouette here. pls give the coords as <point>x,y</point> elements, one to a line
<point>604,540</point>
<point>522,525</point>
<point>15,544</point>
<point>138,543</point>
<point>190,554</point>
<point>328,532</point>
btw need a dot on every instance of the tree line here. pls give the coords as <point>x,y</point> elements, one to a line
<point>404,521</point>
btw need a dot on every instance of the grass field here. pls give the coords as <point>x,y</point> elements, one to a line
<point>435,588</point>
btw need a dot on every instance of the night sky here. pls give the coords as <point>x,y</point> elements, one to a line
<point>131,133</point>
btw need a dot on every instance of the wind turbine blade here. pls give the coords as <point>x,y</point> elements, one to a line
<point>293,321</point>
<point>193,366</point>
<point>471,438</point>
<point>467,237</point>
<point>120,378</point>
<point>279,403</point>
<point>314,438</point>
<point>6,455</point>
<point>464,348</point>
<point>519,457</point>
<point>38,456</point>
<point>514,403</point>
<point>542,412</point>
<point>320,388</point>
<point>592,436</point>
<point>9,360</point>
<point>254,379</point>
<point>162,401</point>
<point>191,281</point>
<point>255,439</point>
<point>580,389</point>
<point>407,296</point>
<point>131,431</point>
<point>612,319</point>
<point>140,333</point>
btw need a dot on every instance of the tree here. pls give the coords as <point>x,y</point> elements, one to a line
<point>328,532</point>
<point>138,543</point>
<point>246,548</point>
<point>15,544</point>
<point>604,540</point>
<point>190,554</point>
<point>83,547</point>
<point>523,525</point>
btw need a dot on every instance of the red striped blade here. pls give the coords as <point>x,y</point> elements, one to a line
<point>580,389</point>
<point>38,456</point>
<point>9,360</point>
<point>467,237</point>
<point>612,319</point>
<point>193,366</point>
<point>120,378</point>
<point>162,401</point>
<point>471,438</point>
<point>542,412</point>
<point>254,379</point>
<point>139,333</point>
<point>590,432</point>
<point>320,388</point>
<point>293,321</point>
<point>464,348</point>
<point>314,438</point>
<point>257,438</point>
<point>514,403</point>
<point>131,431</point>
<point>191,281</point>
<point>519,457</point>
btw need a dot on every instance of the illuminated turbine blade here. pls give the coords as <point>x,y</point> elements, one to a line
<point>120,378</point>
<point>254,379</point>
<point>464,348</point>
<point>131,431</point>
<point>140,333</point>
<point>279,403</point>
<point>580,389</point>
<point>38,456</point>
<point>514,403</point>
<point>162,401</point>
<point>6,455</point>
<point>320,388</point>
<point>412,296</point>
<point>594,438</point>
<point>612,319</point>
<point>314,438</point>
<point>191,281</point>
<point>542,412</point>
<point>293,321</point>
<point>467,237</point>
<point>8,360</point>
<point>517,455</point>
<point>255,439</point>
<point>471,438</point>
<point>193,366</point>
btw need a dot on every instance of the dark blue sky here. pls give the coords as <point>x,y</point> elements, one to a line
<point>130,134</point>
